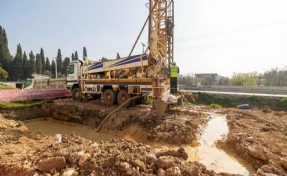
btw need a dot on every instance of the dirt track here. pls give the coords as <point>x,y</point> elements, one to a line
<point>256,137</point>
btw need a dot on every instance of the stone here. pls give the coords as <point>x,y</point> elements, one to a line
<point>164,162</point>
<point>250,139</point>
<point>160,172</point>
<point>284,162</point>
<point>74,157</point>
<point>140,164</point>
<point>257,153</point>
<point>173,171</point>
<point>83,159</point>
<point>52,163</point>
<point>70,172</point>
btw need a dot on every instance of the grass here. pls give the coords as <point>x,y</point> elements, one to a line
<point>216,106</point>
<point>23,104</point>
<point>5,86</point>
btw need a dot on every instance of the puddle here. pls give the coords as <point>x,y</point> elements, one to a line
<point>208,154</point>
<point>51,127</point>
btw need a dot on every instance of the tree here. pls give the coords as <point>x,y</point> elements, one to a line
<point>17,66</point>
<point>32,62</point>
<point>53,68</point>
<point>85,52</point>
<point>73,56</point>
<point>3,74</point>
<point>5,57</point>
<point>76,55</point>
<point>104,59</point>
<point>118,56</point>
<point>43,64</point>
<point>27,67</point>
<point>65,65</point>
<point>59,61</point>
<point>47,64</point>
<point>38,64</point>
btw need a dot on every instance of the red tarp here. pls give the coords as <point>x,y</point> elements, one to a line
<point>10,95</point>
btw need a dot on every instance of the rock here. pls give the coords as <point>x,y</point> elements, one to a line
<point>83,159</point>
<point>164,162</point>
<point>140,164</point>
<point>70,172</point>
<point>284,162</point>
<point>160,172</point>
<point>52,163</point>
<point>150,158</point>
<point>257,153</point>
<point>74,157</point>
<point>250,139</point>
<point>173,171</point>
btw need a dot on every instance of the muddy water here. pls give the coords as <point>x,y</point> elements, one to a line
<point>208,154</point>
<point>50,127</point>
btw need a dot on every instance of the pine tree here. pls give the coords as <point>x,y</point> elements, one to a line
<point>43,64</point>
<point>73,57</point>
<point>59,61</point>
<point>76,55</point>
<point>38,64</point>
<point>85,52</point>
<point>17,66</point>
<point>32,62</point>
<point>118,56</point>
<point>65,65</point>
<point>53,68</point>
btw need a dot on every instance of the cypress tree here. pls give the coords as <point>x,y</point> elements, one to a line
<point>43,64</point>
<point>53,68</point>
<point>59,61</point>
<point>118,56</point>
<point>76,55</point>
<point>47,64</point>
<point>32,62</point>
<point>17,66</point>
<point>27,68</point>
<point>85,52</point>
<point>5,56</point>
<point>65,65</point>
<point>38,64</point>
<point>73,56</point>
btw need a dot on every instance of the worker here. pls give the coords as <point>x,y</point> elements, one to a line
<point>174,70</point>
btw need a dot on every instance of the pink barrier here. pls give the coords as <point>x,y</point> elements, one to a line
<point>31,94</point>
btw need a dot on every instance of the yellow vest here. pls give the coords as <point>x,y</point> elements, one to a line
<point>173,71</point>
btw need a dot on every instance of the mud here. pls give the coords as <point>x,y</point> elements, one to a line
<point>259,138</point>
<point>134,139</point>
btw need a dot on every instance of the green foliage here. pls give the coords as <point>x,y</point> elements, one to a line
<point>38,64</point>
<point>5,56</point>
<point>43,63</point>
<point>23,104</point>
<point>59,61</point>
<point>32,62</point>
<point>5,86</point>
<point>18,123</point>
<point>65,65</point>
<point>16,67</point>
<point>85,52</point>
<point>27,67</point>
<point>244,79</point>
<point>283,104</point>
<point>47,64</point>
<point>76,55</point>
<point>216,106</point>
<point>149,100</point>
<point>3,74</point>
<point>53,68</point>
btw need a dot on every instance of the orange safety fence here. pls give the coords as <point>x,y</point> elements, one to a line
<point>11,95</point>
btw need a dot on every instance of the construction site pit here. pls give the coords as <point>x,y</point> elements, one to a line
<point>60,138</point>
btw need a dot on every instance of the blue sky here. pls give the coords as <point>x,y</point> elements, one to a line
<point>221,36</point>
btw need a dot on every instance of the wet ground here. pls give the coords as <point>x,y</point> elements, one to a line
<point>206,153</point>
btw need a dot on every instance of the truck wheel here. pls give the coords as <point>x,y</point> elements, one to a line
<point>77,95</point>
<point>124,96</point>
<point>109,97</point>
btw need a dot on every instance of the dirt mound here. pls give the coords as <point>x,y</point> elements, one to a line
<point>260,138</point>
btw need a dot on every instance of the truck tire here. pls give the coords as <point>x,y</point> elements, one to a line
<point>141,100</point>
<point>109,97</point>
<point>124,96</point>
<point>77,94</point>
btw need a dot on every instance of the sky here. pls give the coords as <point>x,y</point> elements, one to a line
<point>211,36</point>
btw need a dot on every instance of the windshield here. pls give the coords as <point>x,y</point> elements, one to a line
<point>27,83</point>
<point>70,69</point>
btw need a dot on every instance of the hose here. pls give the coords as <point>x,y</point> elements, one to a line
<point>118,108</point>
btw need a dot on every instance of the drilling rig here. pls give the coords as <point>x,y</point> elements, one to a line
<point>117,81</point>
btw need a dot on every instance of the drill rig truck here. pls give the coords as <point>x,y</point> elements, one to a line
<point>146,74</point>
